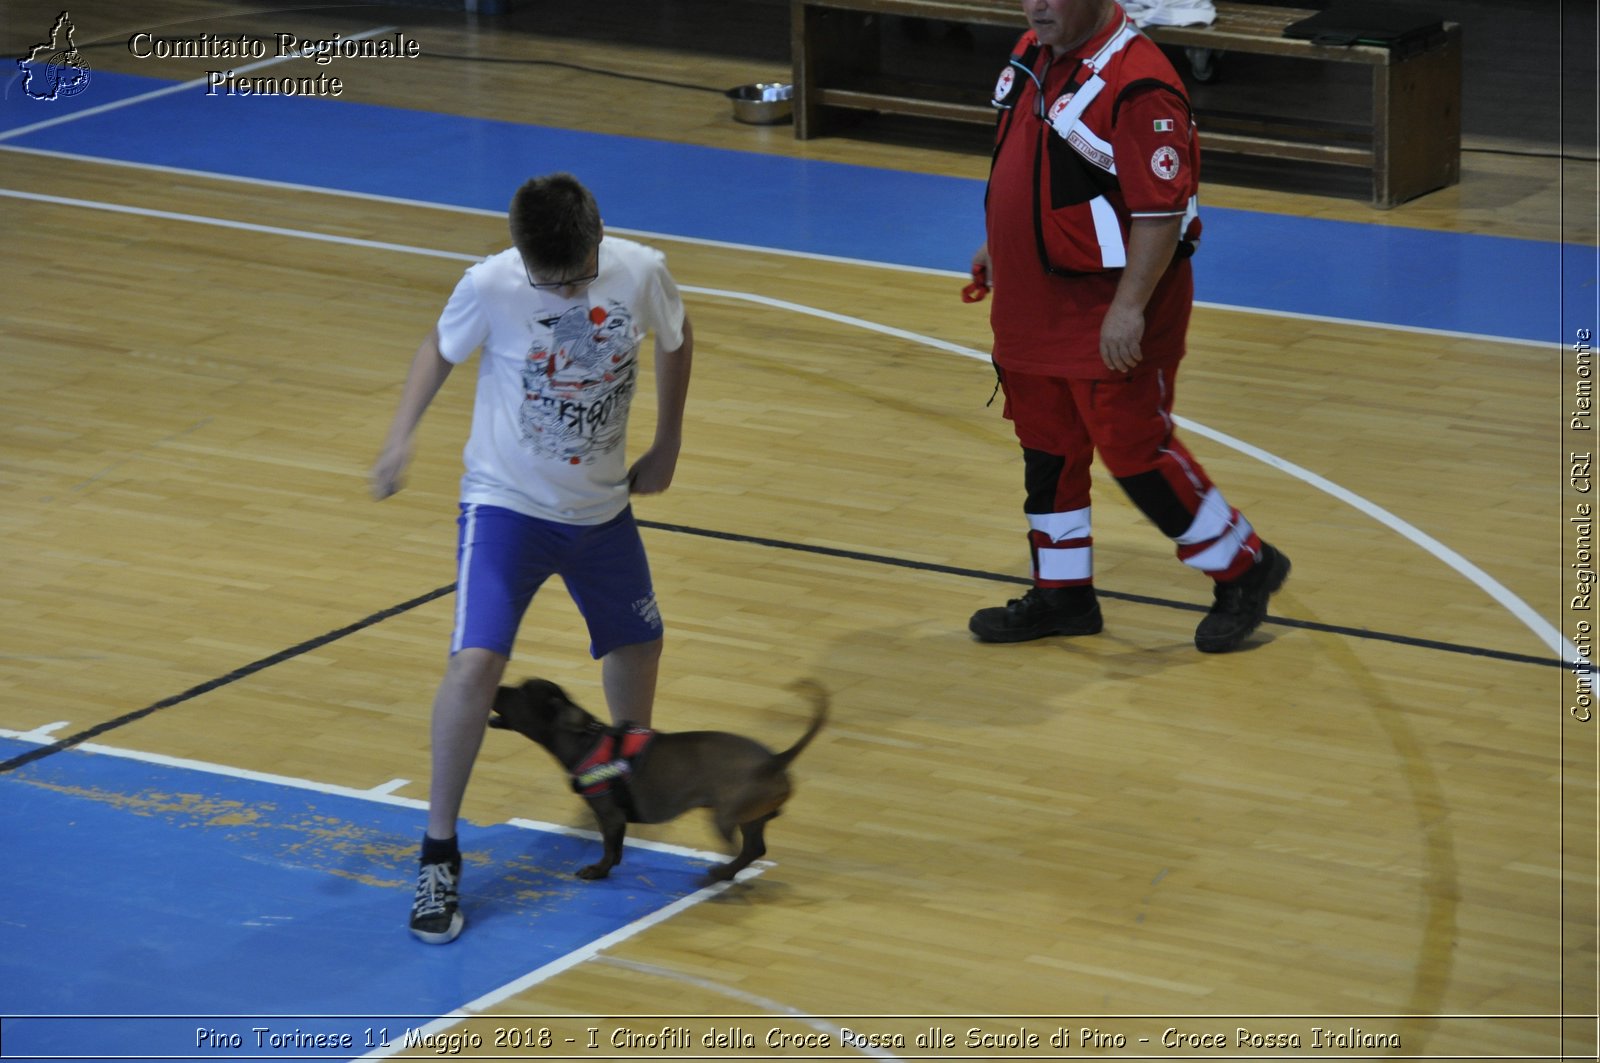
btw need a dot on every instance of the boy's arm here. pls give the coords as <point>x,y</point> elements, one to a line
<point>428,372</point>
<point>652,473</point>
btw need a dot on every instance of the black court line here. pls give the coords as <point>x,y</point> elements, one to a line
<point>777,544</point>
<point>221,681</point>
<point>998,577</point>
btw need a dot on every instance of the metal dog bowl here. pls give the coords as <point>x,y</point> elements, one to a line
<point>762,104</point>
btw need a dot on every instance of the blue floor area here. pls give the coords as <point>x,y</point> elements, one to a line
<point>1480,285</point>
<point>243,898</point>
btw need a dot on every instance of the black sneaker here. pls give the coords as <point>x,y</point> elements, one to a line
<point>1042,612</point>
<point>1241,604</point>
<point>436,909</point>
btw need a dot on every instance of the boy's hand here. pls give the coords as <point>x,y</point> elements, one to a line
<point>652,473</point>
<point>389,471</point>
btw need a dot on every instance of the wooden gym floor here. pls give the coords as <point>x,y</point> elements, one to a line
<point>1381,815</point>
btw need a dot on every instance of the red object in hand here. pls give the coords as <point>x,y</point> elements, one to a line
<point>979,288</point>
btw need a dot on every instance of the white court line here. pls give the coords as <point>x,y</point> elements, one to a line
<point>642,843</point>
<point>155,94</point>
<point>382,794</point>
<point>696,241</point>
<point>1487,583</point>
<point>378,795</point>
<point>1546,632</point>
<point>1502,595</point>
<point>761,1003</point>
<point>245,226</point>
<point>842,319</point>
<point>401,201</point>
<point>565,963</point>
<point>44,734</point>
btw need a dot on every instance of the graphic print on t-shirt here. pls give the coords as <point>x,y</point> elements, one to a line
<point>576,389</point>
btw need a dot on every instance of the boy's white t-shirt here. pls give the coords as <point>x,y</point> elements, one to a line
<point>556,379</point>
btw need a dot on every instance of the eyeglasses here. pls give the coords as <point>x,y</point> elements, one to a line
<point>570,282</point>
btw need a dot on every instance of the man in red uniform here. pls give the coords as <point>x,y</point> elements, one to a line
<point>1092,217</point>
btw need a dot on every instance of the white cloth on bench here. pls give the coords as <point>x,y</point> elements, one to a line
<point>1171,12</point>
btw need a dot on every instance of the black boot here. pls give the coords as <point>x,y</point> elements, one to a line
<point>1042,612</point>
<point>1241,604</point>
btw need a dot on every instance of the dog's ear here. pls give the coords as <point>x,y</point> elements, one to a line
<point>570,717</point>
<point>543,690</point>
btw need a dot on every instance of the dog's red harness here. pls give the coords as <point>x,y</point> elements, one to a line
<point>611,761</point>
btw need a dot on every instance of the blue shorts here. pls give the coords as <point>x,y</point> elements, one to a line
<point>505,556</point>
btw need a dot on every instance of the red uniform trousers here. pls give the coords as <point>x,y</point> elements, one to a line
<point>1061,422</point>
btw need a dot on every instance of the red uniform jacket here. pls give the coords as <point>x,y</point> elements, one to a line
<point>1085,143</point>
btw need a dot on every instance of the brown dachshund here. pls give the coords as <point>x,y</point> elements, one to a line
<point>743,782</point>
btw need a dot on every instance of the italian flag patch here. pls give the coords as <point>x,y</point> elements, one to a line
<point>1162,125</point>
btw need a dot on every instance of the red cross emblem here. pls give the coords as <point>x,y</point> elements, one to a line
<point>1165,163</point>
<point>1002,87</point>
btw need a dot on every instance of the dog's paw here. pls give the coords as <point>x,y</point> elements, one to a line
<point>594,871</point>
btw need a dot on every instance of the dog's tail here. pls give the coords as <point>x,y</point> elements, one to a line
<point>818,694</point>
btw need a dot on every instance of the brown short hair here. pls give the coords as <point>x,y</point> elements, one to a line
<point>555,223</point>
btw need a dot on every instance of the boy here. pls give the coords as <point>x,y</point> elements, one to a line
<point>560,318</point>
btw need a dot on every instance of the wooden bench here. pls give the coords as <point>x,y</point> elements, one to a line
<point>1410,143</point>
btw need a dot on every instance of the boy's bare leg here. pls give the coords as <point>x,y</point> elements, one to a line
<point>628,674</point>
<point>460,714</point>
